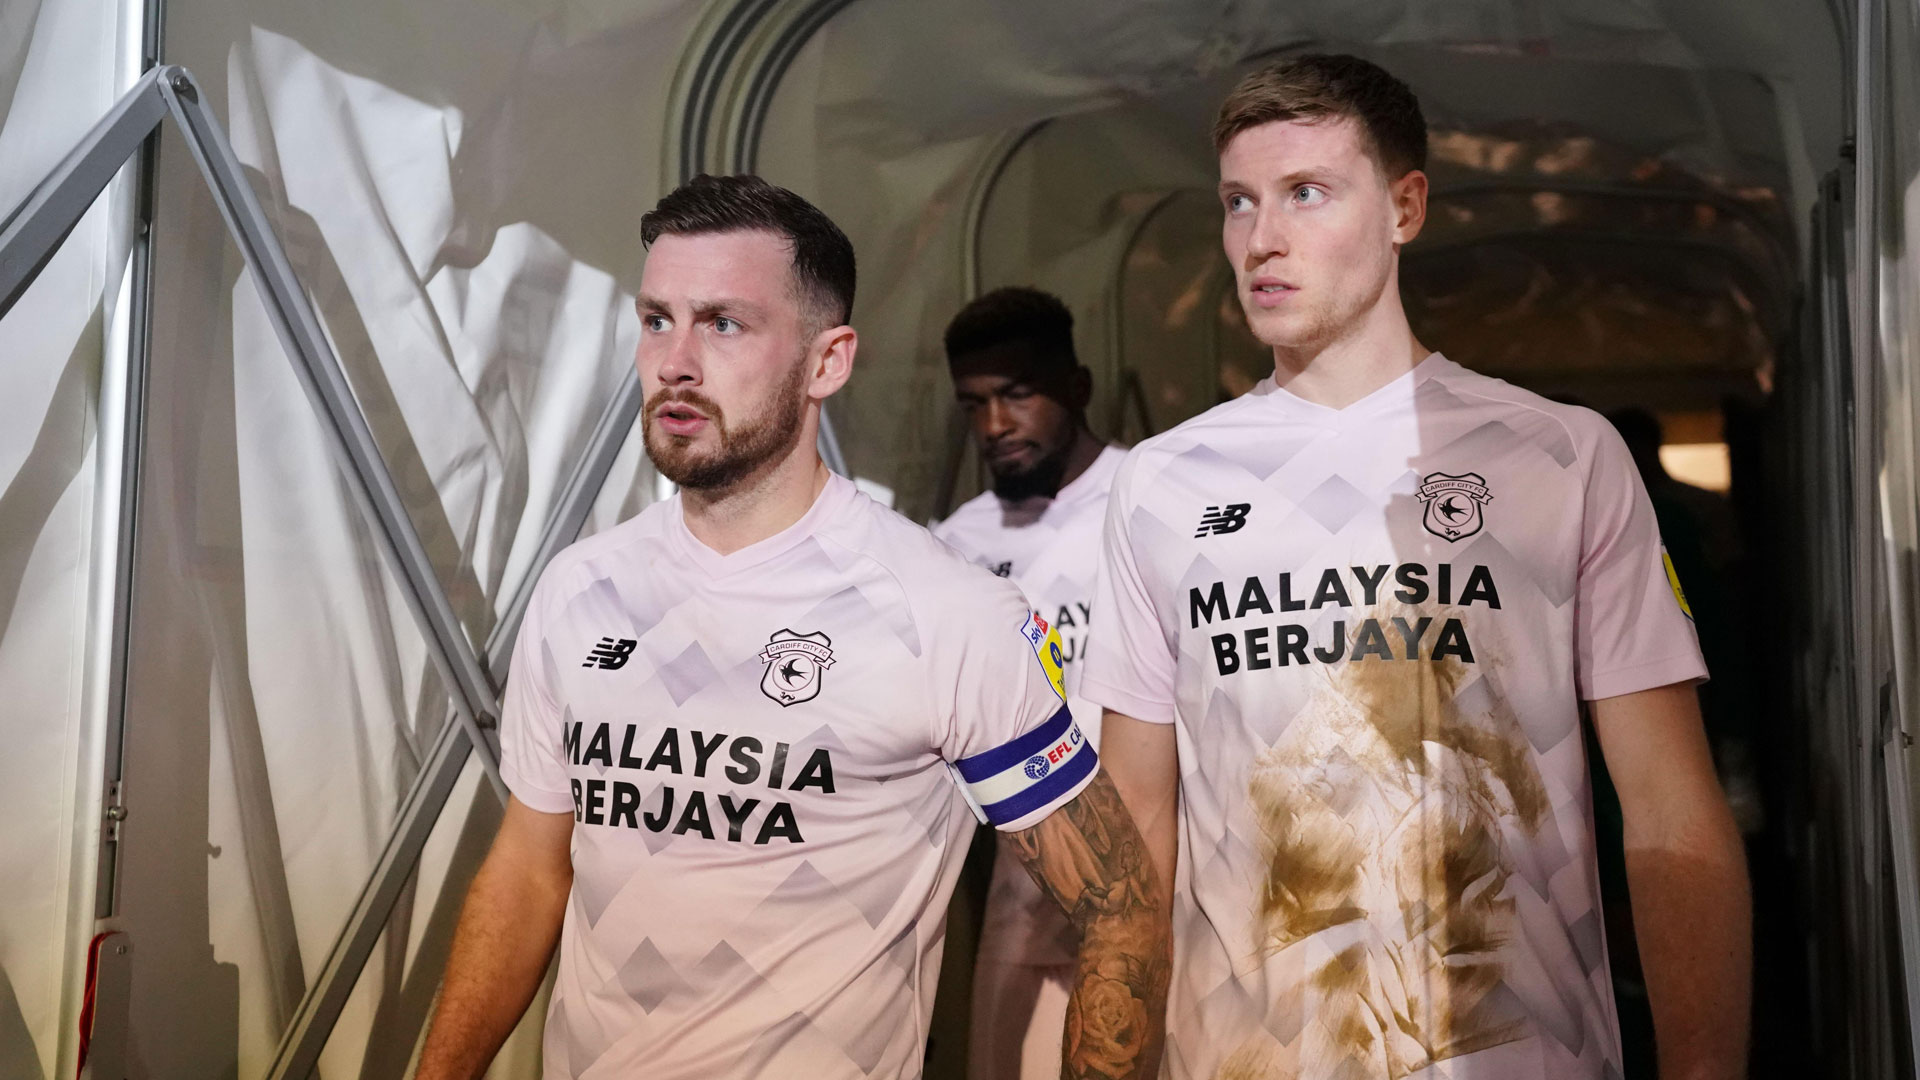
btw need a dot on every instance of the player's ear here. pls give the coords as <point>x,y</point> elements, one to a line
<point>1080,389</point>
<point>831,360</point>
<point>1409,195</point>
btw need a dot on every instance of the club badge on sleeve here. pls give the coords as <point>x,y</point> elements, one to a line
<point>1045,641</point>
<point>794,663</point>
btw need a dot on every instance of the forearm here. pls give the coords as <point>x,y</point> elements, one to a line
<point>1123,969</point>
<point>1692,914</point>
<point>1091,859</point>
<point>501,948</point>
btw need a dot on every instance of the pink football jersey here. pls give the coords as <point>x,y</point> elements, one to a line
<point>770,758</point>
<point>1372,628</point>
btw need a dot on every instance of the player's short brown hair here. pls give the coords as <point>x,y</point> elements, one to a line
<point>1318,87</point>
<point>823,267</point>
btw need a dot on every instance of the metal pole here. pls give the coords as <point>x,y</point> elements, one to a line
<point>306,1035</point>
<point>473,692</point>
<point>36,228</point>
<point>28,237</point>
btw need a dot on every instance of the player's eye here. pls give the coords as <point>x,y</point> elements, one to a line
<point>654,323</point>
<point>1017,392</point>
<point>1308,195</point>
<point>1238,203</point>
<point>725,325</point>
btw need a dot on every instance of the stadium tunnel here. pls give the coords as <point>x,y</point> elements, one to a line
<point>240,809</point>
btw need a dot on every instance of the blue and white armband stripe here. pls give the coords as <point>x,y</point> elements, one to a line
<point>1010,781</point>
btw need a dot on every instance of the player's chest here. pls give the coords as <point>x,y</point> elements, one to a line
<point>1426,532</point>
<point>742,683</point>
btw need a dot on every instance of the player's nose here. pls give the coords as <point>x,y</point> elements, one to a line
<point>996,420</point>
<point>1267,238</point>
<point>680,360</point>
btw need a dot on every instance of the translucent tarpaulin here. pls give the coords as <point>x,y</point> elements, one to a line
<point>280,698</point>
<point>62,64</point>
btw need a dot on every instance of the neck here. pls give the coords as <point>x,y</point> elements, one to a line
<point>761,504</point>
<point>1372,353</point>
<point>1081,455</point>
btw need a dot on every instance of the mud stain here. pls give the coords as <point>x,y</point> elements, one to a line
<point>1382,812</point>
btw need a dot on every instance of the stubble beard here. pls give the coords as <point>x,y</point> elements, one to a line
<point>741,452</point>
<point>1043,477</point>
<point>1325,323</point>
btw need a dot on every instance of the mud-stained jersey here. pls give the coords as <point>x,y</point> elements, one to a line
<point>1051,549</point>
<point>1372,627</point>
<point>773,759</point>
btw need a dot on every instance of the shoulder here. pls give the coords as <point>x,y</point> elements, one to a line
<point>620,551</point>
<point>943,590</point>
<point>1211,436</point>
<point>1570,433</point>
<point>968,519</point>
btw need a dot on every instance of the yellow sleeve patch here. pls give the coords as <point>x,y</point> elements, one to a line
<point>1673,579</point>
<point>1046,648</point>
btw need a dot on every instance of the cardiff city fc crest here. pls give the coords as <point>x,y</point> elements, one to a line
<point>1453,504</point>
<point>794,663</point>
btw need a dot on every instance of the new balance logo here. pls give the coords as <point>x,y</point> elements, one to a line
<point>1219,520</point>
<point>611,654</point>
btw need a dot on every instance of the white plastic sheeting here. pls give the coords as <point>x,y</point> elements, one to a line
<point>464,214</point>
<point>62,64</point>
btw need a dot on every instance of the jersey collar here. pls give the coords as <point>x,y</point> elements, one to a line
<point>833,498</point>
<point>1397,391</point>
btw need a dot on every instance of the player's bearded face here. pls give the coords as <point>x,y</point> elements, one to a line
<point>1024,417</point>
<point>724,356</point>
<point>730,449</point>
<point>1310,228</point>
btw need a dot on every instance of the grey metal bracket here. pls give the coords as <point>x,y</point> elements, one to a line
<point>307,1033</point>
<point>33,231</point>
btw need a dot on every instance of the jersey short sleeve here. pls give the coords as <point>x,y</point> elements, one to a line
<point>1132,670</point>
<point>1010,737</point>
<point>1632,628</point>
<point>532,759</point>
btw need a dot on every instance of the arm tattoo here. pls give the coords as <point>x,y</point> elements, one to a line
<point>1090,859</point>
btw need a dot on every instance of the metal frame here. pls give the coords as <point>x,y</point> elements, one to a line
<point>36,229</point>
<point>28,238</point>
<point>33,231</point>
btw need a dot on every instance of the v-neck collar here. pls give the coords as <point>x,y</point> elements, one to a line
<point>838,492</point>
<point>1397,389</point>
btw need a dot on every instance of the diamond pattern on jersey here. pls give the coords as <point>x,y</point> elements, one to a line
<point>1387,863</point>
<point>1556,584</point>
<point>785,924</point>
<point>1334,503</point>
<point>687,674</point>
<point>887,606</point>
<point>592,893</point>
<point>1527,425</point>
<point>648,978</point>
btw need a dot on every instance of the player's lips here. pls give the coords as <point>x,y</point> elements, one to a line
<point>679,418</point>
<point>1267,291</point>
